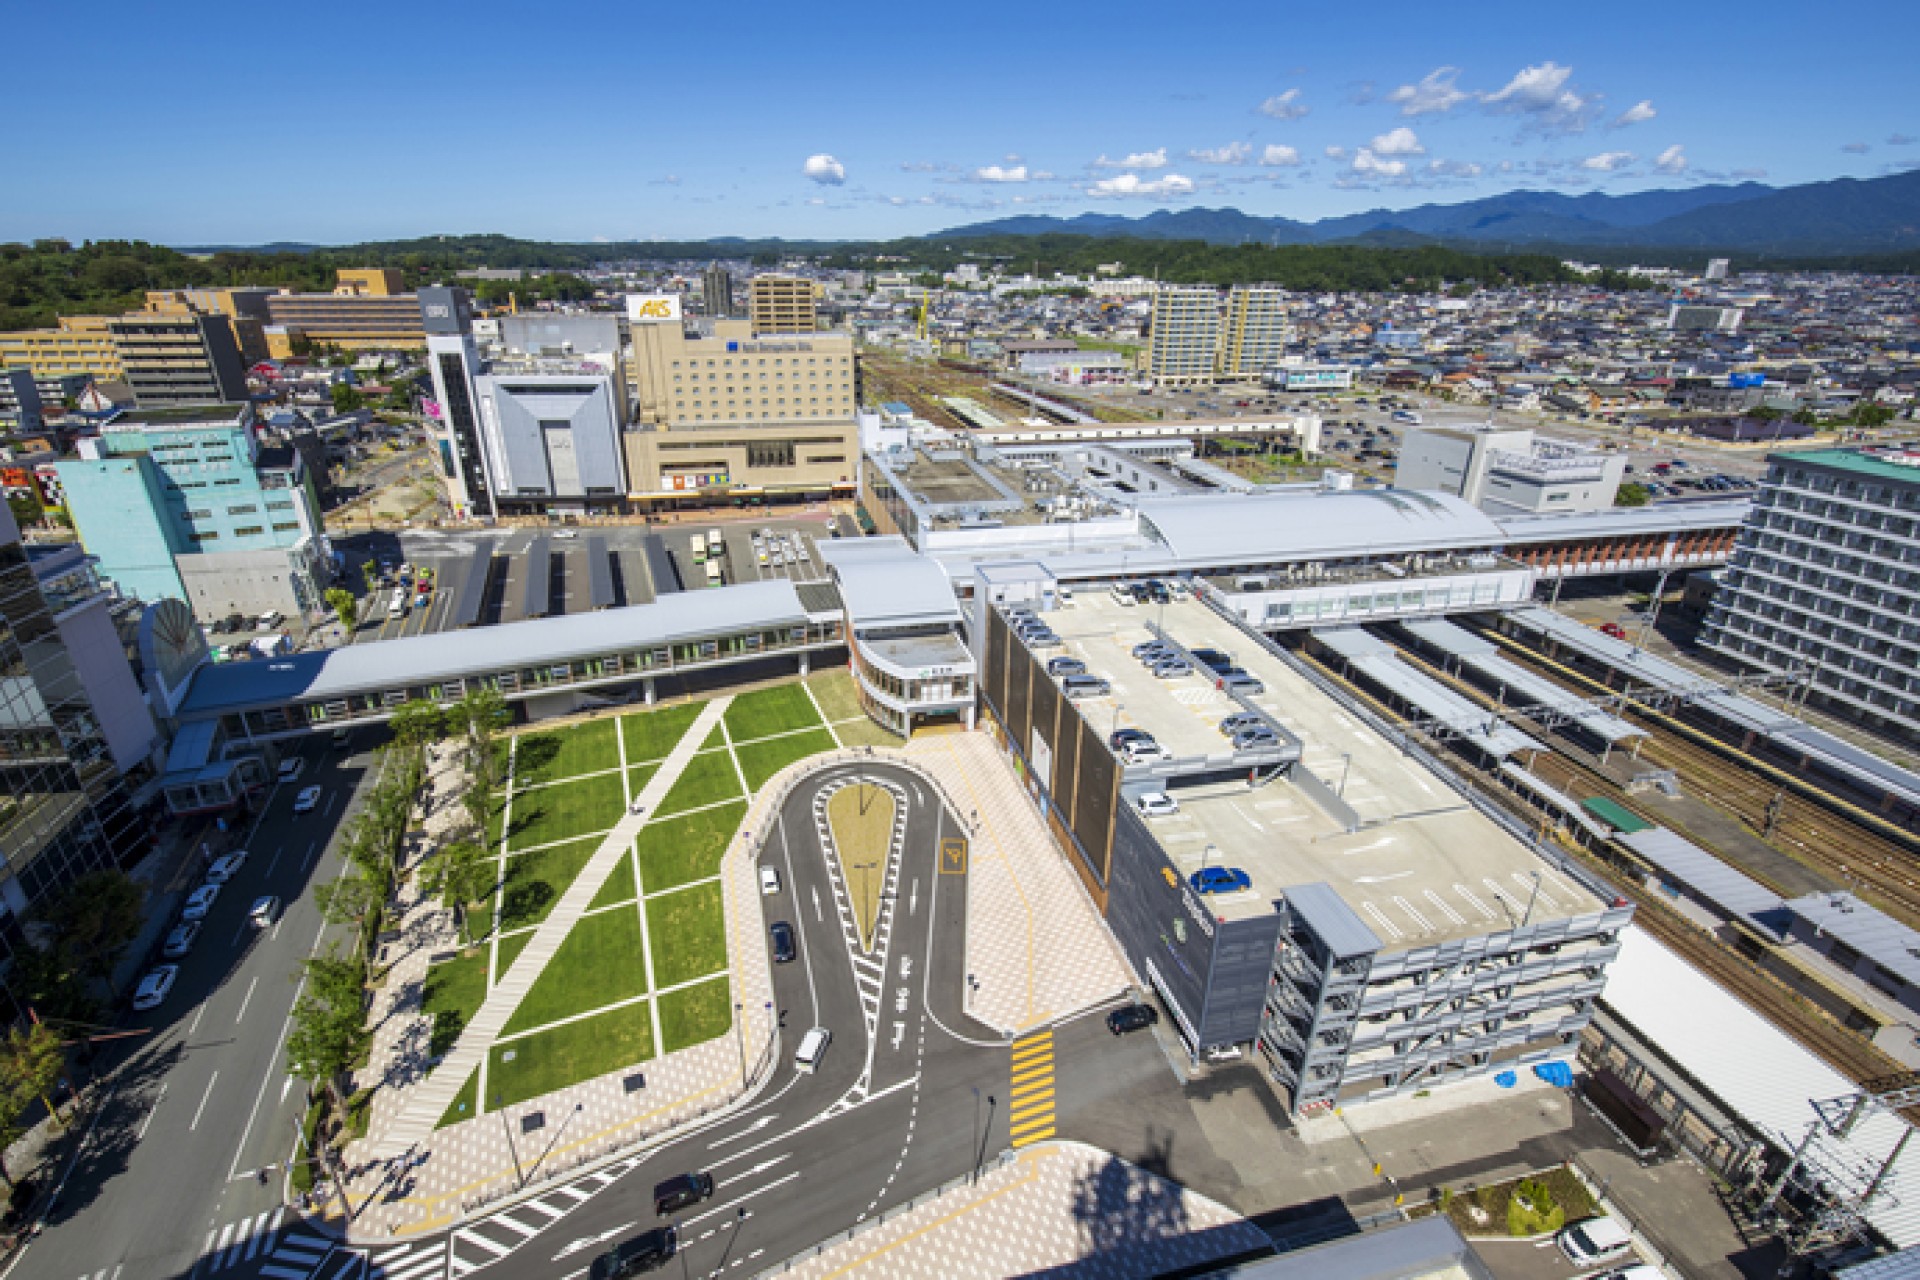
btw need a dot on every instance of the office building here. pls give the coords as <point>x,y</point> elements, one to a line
<point>20,408</point>
<point>1185,338</point>
<point>178,359</point>
<point>453,361</point>
<point>79,347</point>
<point>716,292</point>
<point>1318,894</point>
<point>186,504</point>
<point>1825,577</point>
<point>1716,269</point>
<point>781,304</point>
<point>63,799</point>
<point>1508,471</point>
<point>367,309</point>
<point>728,412</point>
<point>1254,340</point>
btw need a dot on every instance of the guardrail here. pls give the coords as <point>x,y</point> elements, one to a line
<point>1005,1158</point>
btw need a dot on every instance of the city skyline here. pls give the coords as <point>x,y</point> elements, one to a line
<point>879,125</point>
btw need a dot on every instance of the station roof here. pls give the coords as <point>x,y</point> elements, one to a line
<point>378,665</point>
<point>1867,929</point>
<point>1682,517</point>
<point>1536,690</point>
<point>1376,659</point>
<point>885,583</point>
<point>1729,891</point>
<point>1217,529</point>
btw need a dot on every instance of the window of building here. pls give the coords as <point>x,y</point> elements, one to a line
<point>288,527</point>
<point>246,509</point>
<point>774,453</point>
<point>248,531</point>
<point>281,505</point>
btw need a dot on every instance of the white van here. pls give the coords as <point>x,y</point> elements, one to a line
<point>1592,1241</point>
<point>397,607</point>
<point>769,879</point>
<point>813,1046</point>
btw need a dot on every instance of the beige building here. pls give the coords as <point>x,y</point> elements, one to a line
<point>1185,339</point>
<point>368,309</point>
<point>735,414</point>
<point>81,345</point>
<point>782,304</point>
<point>1255,337</point>
<point>244,309</point>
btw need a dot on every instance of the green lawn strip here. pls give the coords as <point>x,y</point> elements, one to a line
<point>865,733</point>
<point>761,760</point>
<point>681,850</point>
<point>453,992</point>
<point>639,776</point>
<point>781,709</point>
<point>618,888</point>
<point>566,753</point>
<point>463,1106</point>
<point>536,880</point>
<point>599,963</point>
<point>579,808</point>
<point>511,945</point>
<point>716,739</point>
<point>652,734</point>
<point>689,934</point>
<point>694,1015</point>
<point>834,691</point>
<point>480,914</point>
<point>567,1055</point>
<point>709,778</point>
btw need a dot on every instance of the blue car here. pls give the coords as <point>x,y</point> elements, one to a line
<point>1219,880</point>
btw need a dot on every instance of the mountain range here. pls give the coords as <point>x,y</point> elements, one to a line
<point>1845,215</point>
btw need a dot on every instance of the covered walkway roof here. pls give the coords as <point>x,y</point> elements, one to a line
<point>885,583</point>
<point>1374,658</point>
<point>1483,656</point>
<point>1225,529</point>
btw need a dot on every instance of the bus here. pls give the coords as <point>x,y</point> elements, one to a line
<point>716,546</point>
<point>713,574</point>
<point>699,550</point>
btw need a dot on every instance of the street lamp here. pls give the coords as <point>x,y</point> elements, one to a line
<point>1345,769</point>
<point>740,1041</point>
<point>981,1157</point>
<point>519,1176</point>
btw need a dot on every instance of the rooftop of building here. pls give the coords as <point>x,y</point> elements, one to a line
<point>886,585</point>
<point>1419,866</point>
<point>228,414</point>
<point>1897,462</point>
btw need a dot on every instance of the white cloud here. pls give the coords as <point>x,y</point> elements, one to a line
<point>1541,95</point>
<point>994,173</point>
<point>1900,140</point>
<point>1285,106</point>
<point>1232,153</point>
<point>1365,162</point>
<point>1397,142</point>
<point>1279,157</point>
<point>1454,169</point>
<point>1435,94</point>
<point>1747,175</point>
<point>1608,161</point>
<point>1672,160</point>
<point>1639,113</point>
<point>1856,148</point>
<point>1336,153</point>
<point>824,169</point>
<point>815,200</point>
<point>1131,184</point>
<point>1533,88</point>
<point>1156,159</point>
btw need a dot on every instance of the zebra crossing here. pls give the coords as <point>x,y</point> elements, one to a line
<point>491,1239</point>
<point>243,1240</point>
<point>394,1262</point>
<point>1030,1109</point>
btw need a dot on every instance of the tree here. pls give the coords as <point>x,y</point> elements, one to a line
<point>459,874</point>
<point>346,398</point>
<point>371,573</point>
<point>418,722</point>
<point>329,1026</point>
<point>344,606</point>
<point>1631,494</point>
<point>95,920</point>
<point>350,900</point>
<point>31,1061</point>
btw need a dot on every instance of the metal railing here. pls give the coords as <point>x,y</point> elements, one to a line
<point>858,1229</point>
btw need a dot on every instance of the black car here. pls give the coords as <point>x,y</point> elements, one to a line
<point>782,934</point>
<point>682,1191</point>
<point>1121,737</point>
<point>1133,1017</point>
<point>1213,658</point>
<point>633,1257</point>
<point>234,622</point>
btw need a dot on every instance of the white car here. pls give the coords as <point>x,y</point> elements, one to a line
<point>291,769</point>
<point>566,534</point>
<point>199,902</point>
<point>1156,804</point>
<point>307,800</point>
<point>154,987</point>
<point>181,940</point>
<point>224,869</point>
<point>769,879</point>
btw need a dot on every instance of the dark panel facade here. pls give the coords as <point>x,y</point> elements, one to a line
<point>1237,987</point>
<point>1165,929</point>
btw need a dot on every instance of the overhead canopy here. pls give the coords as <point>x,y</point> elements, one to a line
<point>1226,529</point>
<point>885,583</point>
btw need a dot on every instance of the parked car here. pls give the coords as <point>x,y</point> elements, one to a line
<point>1141,751</point>
<point>1132,1017</point>
<point>1121,737</point>
<point>1066,667</point>
<point>181,940</point>
<point>1156,804</point>
<point>1219,880</point>
<point>769,879</point>
<point>199,902</point>
<point>1253,737</point>
<point>1170,667</point>
<point>1240,720</point>
<point>291,769</point>
<point>637,1256</point>
<point>307,800</point>
<point>226,867</point>
<point>1150,648</point>
<point>1085,687</point>
<point>1212,658</point>
<point>682,1191</point>
<point>154,987</point>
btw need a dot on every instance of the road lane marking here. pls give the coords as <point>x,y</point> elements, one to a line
<point>731,1204</point>
<point>247,999</point>
<point>755,1127</point>
<point>198,1014</point>
<point>203,1102</point>
<point>150,1112</point>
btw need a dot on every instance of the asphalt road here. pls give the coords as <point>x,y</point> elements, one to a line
<point>167,1172</point>
<point>892,1110</point>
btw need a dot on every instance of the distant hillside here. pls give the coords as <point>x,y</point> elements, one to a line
<point>1844,216</point>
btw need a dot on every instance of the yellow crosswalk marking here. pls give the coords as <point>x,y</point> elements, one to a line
<point>1031,1118</point>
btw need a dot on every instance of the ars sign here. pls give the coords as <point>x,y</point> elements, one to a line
<point>648,308</point>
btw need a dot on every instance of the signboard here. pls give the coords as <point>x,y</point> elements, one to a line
<point>652,308</point>
<point>1042,757</point>
<point>691,481</point>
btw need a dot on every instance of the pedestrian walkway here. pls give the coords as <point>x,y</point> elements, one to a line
<point>1037,949</point>
<point>430,1100</point>
<point>1030,1099</point>
<point>1062,1208</point>
<point>296,1256</point>
<point>239,1242</point>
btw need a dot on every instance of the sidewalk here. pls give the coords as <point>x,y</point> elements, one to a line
<point>1060,1207</point>
<point>1036,947</point>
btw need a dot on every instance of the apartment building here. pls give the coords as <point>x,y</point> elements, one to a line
<point>1183,347</point>
<point>716,292</point>
<point>1254,340</point>
<point>178,359</point>
<point>79,346</point>
<point>781,304</point>
<point>1826,577</point>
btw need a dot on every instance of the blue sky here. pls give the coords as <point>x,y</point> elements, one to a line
<point>215,123</point>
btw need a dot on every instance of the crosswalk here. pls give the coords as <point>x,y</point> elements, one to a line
<point>491,1239</point>
<point>394,1262</point>
<point>1030,1106</point>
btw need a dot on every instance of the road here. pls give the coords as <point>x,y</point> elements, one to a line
<point>166,1181</point>
<point>892,1110</point>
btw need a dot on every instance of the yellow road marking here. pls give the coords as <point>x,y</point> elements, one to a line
<point>1028,1110</point>
<point>1037,1073</point>
<point>1030,1125</point>
<point>1038,1135</point>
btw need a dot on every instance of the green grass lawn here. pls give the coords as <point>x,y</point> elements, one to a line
<point>453,993</point>
<point>694,1015</point>
<point>688,932</point>
<point>716,738</point>
<point>681,850</point>
<point>535,881</point>
<point>464,1104</point>
<point>618,888</point>
<point>599,963</point>
<point>708,779</point>
<point>560,813</point>
<point>761,760</point>
<point>511,945</point>
<point>565,753</point>
<point>567,1055</point>
<point>865,733</point>
<point>833,690</point>
<point>780,709</point>
<point>652,734</point>
<point>639,776</point>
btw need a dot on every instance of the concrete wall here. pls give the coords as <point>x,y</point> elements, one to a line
<point>93,645</point>
<point>249,582</point>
